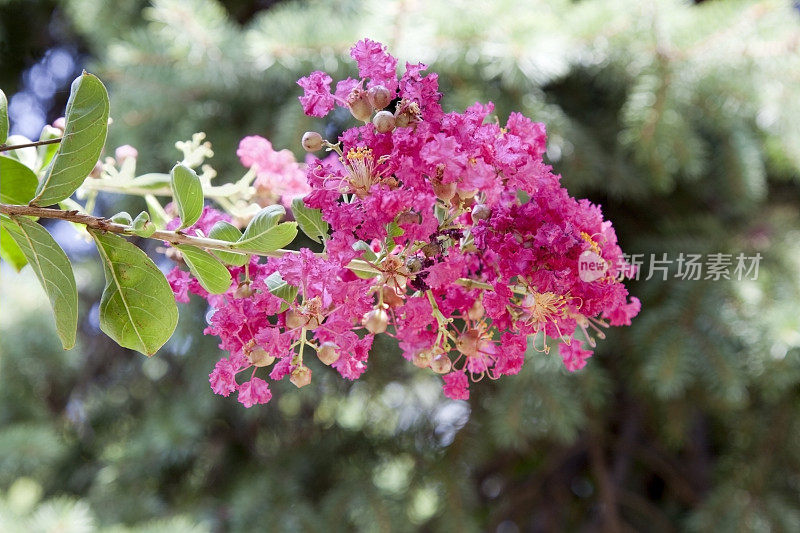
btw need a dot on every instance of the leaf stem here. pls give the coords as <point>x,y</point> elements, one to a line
<point>6,148</point>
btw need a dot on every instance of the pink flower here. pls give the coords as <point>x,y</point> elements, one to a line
<point>456,386</point>
<point>317,99</point>
<point>223,378</point>
<point>254,391</point>
<point>179,283</point>
<point>376,63</point>
<point>278,173</point>
<point>124,152</point>
<point>573,355</point>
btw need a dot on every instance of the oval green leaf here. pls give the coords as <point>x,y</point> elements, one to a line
<point>264,234</point>
<point>3,117</point>
<point>52,267</point>
<point>212,275</point>
<point>225,231</point>
<point>188,194</point>
<point>83,140</point>
<point>280,288</point>
<point>142,226</point>
<point>17,182</point>
<point>10,251</point>
<point>310,220</point>
<point>123,217</point>
<point>46,152</point>
<point>138,308</point>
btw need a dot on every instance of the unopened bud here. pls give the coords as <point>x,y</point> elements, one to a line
<point>468,342</point>
<point>383,121</point>
<point>259,357</point>
<point>481,212</point>
<point>376,321</point>
<point>444,191</point>
<point>476,311</point>
<point>409,217</point>
<point>414,264</point>
<point>60,123</point>
<point>379,96</point>
<point>124,152</point>
<point>293,319</point>
<point>441,364</point>
<point>244,290</point>
<point>328,353</point>
<point>312,141</point>
<point>432,249</point>
<point>301,376</point>
<point>422,359</point>
<point>402,120</point>
<point>359,104</point>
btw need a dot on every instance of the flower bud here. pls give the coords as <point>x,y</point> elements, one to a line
<point>312,141</point>
<point>328,353</point>
<point>383,121</point>
<point>441,364</point>
<point>244,290</point>
<point>444,191</point>
<point>376,321</point>
<point>259,357</point>
<point>422,359</point>
<point>481,212</point>
<point>390,296</point>
<point>432,249</point>
<point>60,123</point>
<point>293,319</point>
<point>379,96</point>
<point>124,152</point>
<point>476,311</point>
<point>301,376</point>
<point>467,343</point>
<point>402,120</point>
<point>414,264</point>
<point>359,104</point>
<point>409,217</point>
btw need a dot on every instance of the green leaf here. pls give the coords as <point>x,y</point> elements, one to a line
<point>123,217</point>
<point>52,267</point>
<point>158,216</point>
<point>392,230</point>
<point>83,140</point>
<point>10,251</point>
<point>369,255</point>
<point>209,271</point>
<point>3,117</point>
<point>17,182</point>
<point>26,156</point>
<point>280,288</point>
<point>142,226</point>
<point>264,234</point>
<point>225,231</point>
<point>46,152</point>
<point>137,309</point>
<point>188,194</point>
<point>310,220</point>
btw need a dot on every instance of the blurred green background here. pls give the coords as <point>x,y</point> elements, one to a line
<point>681,119</point>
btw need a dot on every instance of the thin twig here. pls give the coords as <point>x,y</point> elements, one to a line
<point>177,237</point>
<point>5,148</point>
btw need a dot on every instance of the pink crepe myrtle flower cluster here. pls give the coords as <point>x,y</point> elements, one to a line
<point>279,177</point>
<point>447,231</point>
